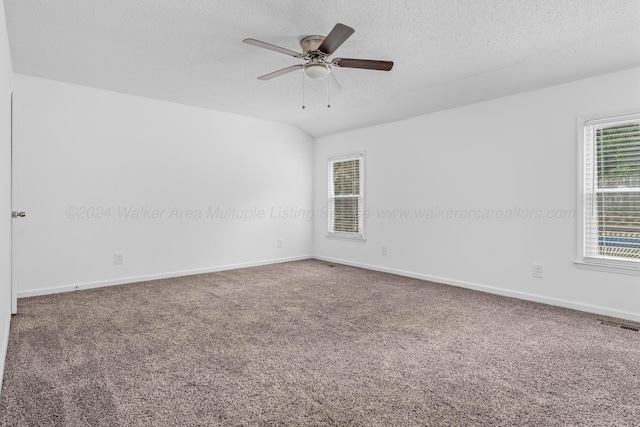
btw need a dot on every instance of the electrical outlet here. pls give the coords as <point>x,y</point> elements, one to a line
<point>118,259</point>
<point>538,271</point>
<point>280,243</point>
<point>383,250</point>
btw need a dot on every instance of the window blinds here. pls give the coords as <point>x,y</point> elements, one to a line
<point>345,195</point>
<point>612,190</point>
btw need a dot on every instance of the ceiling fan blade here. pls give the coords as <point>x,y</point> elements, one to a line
<point>367,64</point>
<point>275,48</point>
<point>336,37</point>
<point>280,72</point>
<point>331,83</point>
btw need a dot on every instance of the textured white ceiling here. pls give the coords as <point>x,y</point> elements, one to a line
<point>446,52</point>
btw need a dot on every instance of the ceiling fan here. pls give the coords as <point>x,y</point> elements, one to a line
<point>316,50</point>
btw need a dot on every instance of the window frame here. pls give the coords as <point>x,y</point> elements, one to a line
<point>357,236</point>
<point>583,261</point>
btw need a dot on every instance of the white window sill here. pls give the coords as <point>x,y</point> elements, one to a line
<point>346,236</point>
<point>608,268</point>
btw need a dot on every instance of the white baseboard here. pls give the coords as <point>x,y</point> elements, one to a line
<point>605,311</point>
<point>167,275</point>
<point>4,346</point>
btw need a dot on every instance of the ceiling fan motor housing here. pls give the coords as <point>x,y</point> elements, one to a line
<point>311,43</point>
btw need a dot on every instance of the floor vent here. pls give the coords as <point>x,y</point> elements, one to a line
<point>619,325</point>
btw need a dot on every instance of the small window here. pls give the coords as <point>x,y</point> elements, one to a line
<point>346,197</point>
<point>611,186</point>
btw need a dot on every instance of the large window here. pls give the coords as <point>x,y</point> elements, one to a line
<point>611,186</point>
<point>346,201</point>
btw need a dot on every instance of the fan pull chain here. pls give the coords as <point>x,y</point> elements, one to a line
<point>328,97</point>
<point>303,107</point>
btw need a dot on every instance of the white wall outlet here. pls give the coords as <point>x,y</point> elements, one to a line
<point>118,259</point>
<point>538,271</point>
<point>280,243</point>
<point>383,250</point>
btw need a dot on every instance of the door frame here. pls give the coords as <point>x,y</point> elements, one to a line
<point>14,225</point>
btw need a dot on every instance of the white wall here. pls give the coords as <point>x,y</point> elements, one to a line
<point>517,152</point>
<point>5,191</point>
<point>80,148</point>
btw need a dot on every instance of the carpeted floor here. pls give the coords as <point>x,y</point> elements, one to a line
<point>308,344</point>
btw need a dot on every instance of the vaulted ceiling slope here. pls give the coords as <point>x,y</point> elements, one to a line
<point>447,53</point>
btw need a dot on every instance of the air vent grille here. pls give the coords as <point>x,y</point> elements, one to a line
<point>618,325</point>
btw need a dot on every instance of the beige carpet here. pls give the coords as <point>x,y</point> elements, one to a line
<point>308,344</point>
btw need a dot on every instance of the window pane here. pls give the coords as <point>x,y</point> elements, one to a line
<point>618,155</point>
<point>346,214</point>
<point>619,224</point>
<point>346,177</point>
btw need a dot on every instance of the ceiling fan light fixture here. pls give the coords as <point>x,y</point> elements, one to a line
<point>316,71</point>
